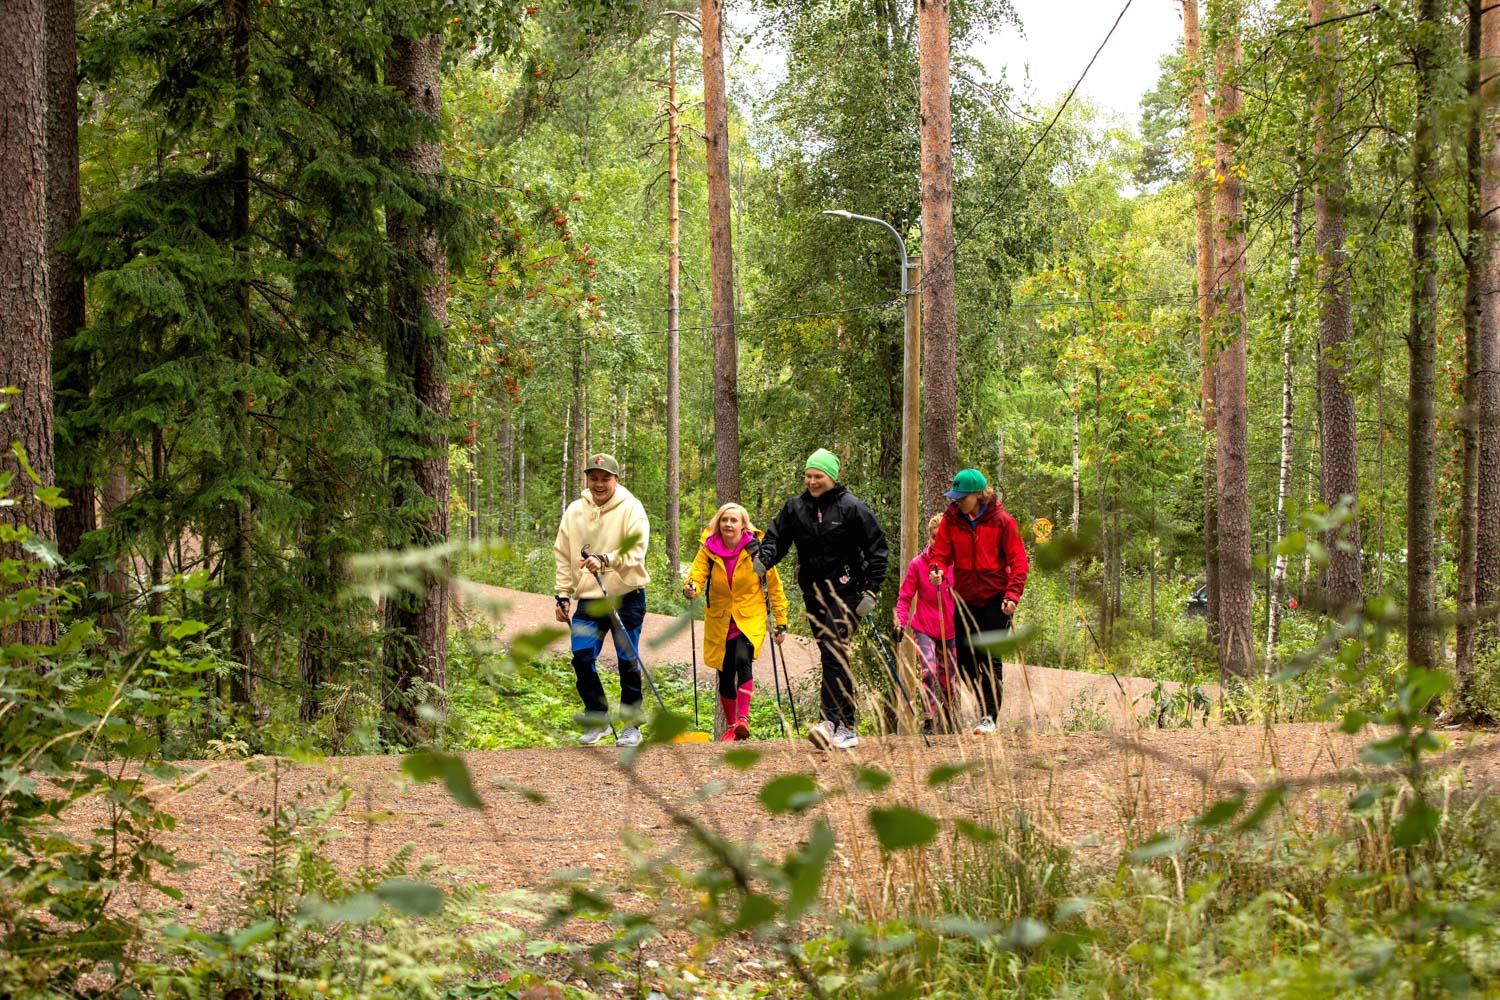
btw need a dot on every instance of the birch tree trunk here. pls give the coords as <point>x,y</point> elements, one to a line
<point>1236,578</point>
<point>940,458</point>
<point>1274,599</point>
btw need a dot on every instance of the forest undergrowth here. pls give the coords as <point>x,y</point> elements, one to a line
<point>1379,880</point>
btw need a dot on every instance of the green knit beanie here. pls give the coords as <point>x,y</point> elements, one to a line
<point>825,462</point>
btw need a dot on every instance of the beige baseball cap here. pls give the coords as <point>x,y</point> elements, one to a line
<point>604,463</point>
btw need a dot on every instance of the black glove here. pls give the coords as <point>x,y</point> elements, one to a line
<point>897,634</point>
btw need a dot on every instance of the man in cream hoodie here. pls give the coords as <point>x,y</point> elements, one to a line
<point>605,531</point>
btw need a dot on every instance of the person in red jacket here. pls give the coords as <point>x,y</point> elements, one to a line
<point>982,545</point>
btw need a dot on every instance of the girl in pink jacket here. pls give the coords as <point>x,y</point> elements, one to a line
<point>927,610</point>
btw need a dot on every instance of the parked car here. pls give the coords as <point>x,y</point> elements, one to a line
<point>1197,604</point>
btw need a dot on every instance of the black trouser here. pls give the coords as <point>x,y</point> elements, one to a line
<point>589,630</point>
<point>977,666</point>
<point>739,657</point>
<point>830,612</point>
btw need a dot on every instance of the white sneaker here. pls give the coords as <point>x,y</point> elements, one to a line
<point>984,727</point>
<point>821,735</point>
<point>593,735</point>
<point>630,736</point>
<point>844,738</point>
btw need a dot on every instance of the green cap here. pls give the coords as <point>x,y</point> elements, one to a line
<point>604,463</point>
<point>966,482</point>
<point>825,462</point>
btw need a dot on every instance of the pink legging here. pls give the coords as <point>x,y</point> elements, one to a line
<point>937,672</point>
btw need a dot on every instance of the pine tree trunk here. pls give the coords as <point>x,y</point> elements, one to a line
<point>940,459</point>
<point>1236,572</point>
<point>1274,594</point>
<point>312,649</point>
<point>721,258</point>
<point>1487,384</point>
<point>1341,588</point>
<point>567,467</point>
<point>505,446</point>
<point>674,310</point>
<point>576,479</point>
<point>239,574</point>
<point>1203,212</point>
<point>1421,341</point>
<point>1103,513</point>
<point>1076,511</point>
<point>417,650</point>
<point>1153,554</point>
<point>1474,364</point>
<point>115,580</point>
<point>64,284</point>
<point>25,336</point>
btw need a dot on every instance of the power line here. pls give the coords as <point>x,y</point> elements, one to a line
<point>1005,185</point>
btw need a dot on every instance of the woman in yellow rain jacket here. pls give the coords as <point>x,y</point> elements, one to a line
<point>734,616</point>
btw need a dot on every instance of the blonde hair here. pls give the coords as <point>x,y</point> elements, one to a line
<point>713,522</point>
<point>933,522</point>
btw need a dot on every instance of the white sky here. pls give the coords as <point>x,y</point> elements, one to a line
<point>1045,56</point>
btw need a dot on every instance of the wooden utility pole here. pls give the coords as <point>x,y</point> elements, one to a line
<point>1204,231</point>
<point>674,309</point>
<point>721,258</point>
<point>940,324</point>
<point>1232,429</point>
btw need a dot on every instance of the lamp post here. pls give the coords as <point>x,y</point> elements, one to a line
<point>911,394</point>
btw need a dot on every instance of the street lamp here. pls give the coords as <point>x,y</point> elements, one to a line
<point>911,393</point>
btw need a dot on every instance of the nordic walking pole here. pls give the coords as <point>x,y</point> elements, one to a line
<point>771,638</point>
<point>944,664</point>
<point>693,644</point>
<point>614,617</point>
<point>891,665</point>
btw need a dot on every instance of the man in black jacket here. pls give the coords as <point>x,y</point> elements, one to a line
<point>841,560</point>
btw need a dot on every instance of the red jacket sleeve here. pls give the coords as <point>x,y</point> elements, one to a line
<point>1017,563</point>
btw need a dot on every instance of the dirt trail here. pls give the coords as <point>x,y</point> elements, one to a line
<point>1034,696</point>
<point>1088,790</point>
